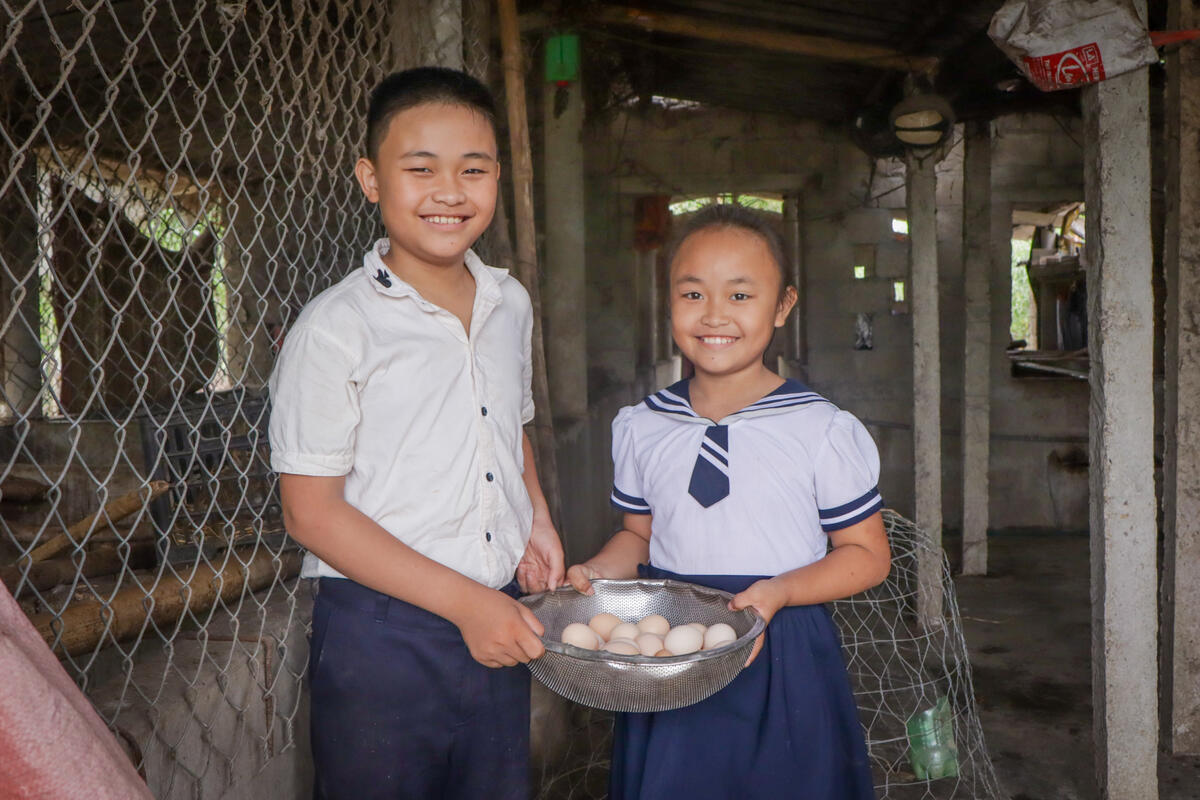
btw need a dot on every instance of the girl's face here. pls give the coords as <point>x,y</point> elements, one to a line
<point>435,180</point>
<point>725,300</point>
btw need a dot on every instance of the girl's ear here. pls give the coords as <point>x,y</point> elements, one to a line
<point>364,170</point>
<point>786,303</point>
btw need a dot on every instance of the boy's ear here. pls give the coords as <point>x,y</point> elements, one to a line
<point>364,170</point>
<point>786,304</point>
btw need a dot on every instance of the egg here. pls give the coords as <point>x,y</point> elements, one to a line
<point>580,635</point>
<point>655,623</point>
<point>623,647</point>
<point>603,623</point>
<point>700,626</point>
<point>718,635</point>
<point>649,643</point>
<point>626,630</point>
<point>663,653</point>
<point>683,639</point>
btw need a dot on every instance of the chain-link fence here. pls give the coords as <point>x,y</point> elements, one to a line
<point>175,184</point>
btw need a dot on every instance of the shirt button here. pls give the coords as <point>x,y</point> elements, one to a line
<point>483,410</point>
<point>488,536</point>
<point>490,477</point>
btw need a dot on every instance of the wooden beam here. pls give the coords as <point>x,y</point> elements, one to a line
<point>798,44</point>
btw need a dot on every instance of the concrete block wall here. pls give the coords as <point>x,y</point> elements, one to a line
<point>1035,478</point>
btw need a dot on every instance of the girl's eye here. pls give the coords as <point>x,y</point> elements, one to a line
<point>740,296</point>
<point>691,295</point>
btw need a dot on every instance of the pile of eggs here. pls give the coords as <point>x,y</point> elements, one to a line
<point>649,636</point>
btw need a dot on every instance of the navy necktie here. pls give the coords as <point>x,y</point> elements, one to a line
<point>710,476</point>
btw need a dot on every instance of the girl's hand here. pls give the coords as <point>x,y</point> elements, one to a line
<point>581,576</point>
<point>766,597</point>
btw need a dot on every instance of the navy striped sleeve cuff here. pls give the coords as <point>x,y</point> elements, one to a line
<point>628,503</point>
<point>852,513</point>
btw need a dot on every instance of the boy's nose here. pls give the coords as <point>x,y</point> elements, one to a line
<point>449,192</point>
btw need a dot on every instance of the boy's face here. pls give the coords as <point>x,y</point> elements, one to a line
<point>435,179</point>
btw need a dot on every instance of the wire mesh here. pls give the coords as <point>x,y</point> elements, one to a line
<point>898,668</point>
<point>176,184</point>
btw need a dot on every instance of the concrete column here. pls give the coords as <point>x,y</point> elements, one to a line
<point>427,32</point>
<point>977,351</point>
<point>793,221</point>
<point>566,277</point>
<point>251,251</point>
<point>927,382</point>
<point>1123,525</point>
<point>1180,667</point>
<point>646,286</point>
<point>20,321</point>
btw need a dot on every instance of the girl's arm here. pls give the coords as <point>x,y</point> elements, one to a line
<point>860,559</point>
<point>498,630</point>
<point>541,567</point>
<point>618,558</point>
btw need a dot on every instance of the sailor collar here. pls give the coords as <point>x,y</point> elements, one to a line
<point>675,400</point>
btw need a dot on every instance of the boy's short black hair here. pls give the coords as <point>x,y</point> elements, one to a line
<point>401,91</point>
<point>733,215</point>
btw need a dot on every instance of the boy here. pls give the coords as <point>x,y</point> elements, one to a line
<point>399,399</point>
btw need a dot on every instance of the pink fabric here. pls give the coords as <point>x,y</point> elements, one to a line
<point>53,744</point>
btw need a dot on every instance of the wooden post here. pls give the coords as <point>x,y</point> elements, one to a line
<point>114,511</point>
<point>81,627</point>
<point>526,252</point>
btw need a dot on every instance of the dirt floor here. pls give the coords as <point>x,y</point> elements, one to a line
<point>1027,626</point>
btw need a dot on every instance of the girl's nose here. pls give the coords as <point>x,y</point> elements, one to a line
<point>714,315</point>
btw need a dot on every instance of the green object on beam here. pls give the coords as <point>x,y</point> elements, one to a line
<point>562,58</point>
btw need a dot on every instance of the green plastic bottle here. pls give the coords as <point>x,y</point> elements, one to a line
<point>931,747</point>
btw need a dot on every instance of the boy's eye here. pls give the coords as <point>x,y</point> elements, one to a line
<point>418,169</point>
<point>691,295</point>
<point>475,171</point>
<point>740,296</point>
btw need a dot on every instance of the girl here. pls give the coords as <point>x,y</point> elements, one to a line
<point>739,480</point>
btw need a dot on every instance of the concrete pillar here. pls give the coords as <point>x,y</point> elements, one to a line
<point>977,350</point>
<point>20,321</point>
<point>1180,669</point>
<point>927,382</point>
<point>251,249</point>
<point>427,32</point>
<point>793,221</point>
<point>1123,525</point>
<point>565,270</point>
<point>646,286</point>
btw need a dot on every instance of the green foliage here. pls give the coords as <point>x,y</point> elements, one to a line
<point>1022,293</point>
<point>757,202</point>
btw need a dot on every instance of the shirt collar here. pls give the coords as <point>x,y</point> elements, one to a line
<point>386,282</point>
<point>675,400</point>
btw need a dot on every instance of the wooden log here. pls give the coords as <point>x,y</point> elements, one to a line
<point>108,560</point>
<point>81,627</point>
<point>16,489</point>
<point>112,512</point>
<point>526,254</point>
<point>799,44</point>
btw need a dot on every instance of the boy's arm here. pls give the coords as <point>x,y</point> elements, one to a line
<point>619,557</point>
<point>541,567</point>
<point>497,629</point>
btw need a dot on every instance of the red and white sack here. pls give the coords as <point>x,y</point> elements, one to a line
<point>1062,44</point>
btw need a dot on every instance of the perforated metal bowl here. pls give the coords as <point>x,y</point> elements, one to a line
<point>639,683</point>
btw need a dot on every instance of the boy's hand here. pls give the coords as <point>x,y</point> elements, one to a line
<point>541,567</point>
<point>581,576</point>
<point>499,631</point>
<point>766,597</point>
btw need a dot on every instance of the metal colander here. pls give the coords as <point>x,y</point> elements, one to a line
<point>639,683</point>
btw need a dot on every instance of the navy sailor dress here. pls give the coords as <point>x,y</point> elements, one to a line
<point>733,502</point>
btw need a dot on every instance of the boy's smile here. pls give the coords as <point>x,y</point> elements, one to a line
<point>435,179</point>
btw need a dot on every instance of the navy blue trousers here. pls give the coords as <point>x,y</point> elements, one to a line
<point>400,710</point>
<point>786,726</point>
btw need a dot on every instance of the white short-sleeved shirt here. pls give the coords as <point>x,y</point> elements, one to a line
<point>798,468</point>
<point>377,384</point>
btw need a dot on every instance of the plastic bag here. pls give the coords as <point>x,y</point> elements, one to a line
<point>1062,44</point>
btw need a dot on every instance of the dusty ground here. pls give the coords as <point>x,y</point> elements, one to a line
<point>1027,626</point>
